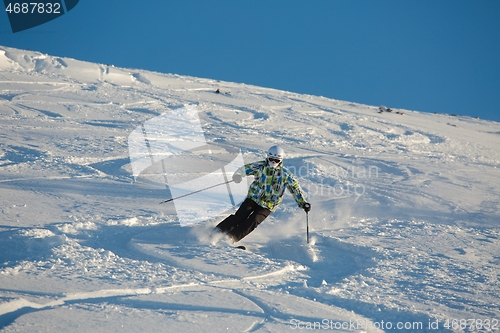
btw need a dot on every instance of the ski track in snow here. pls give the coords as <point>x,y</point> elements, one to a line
<point>404,223</point>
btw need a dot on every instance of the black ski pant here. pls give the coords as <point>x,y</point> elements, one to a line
<point>244,221</point>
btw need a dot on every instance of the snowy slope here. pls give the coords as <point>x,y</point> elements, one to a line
<point>404,225</point>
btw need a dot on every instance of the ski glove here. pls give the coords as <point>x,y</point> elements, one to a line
<point>306,207</point>
<point>237,178</point>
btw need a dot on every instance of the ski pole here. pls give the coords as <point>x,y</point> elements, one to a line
<point>307,223</point>
<point>203,189</point>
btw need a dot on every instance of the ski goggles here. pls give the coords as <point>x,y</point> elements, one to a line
<point>274,160</point>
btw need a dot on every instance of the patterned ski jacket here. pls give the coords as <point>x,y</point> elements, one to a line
<point>269,184</point>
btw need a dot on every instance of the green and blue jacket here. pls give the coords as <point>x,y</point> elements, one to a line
<point>269,184</point>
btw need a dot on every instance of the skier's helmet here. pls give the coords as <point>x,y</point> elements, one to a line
<point>275,156</point>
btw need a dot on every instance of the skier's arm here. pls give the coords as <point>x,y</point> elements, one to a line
<point>246,170</point>
<point>294,188</point>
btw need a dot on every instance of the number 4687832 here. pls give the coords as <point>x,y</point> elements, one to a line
<point>33,8</point>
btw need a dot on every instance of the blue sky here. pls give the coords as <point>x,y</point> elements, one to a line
<point>425,55</point>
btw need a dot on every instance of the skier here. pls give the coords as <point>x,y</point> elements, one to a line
<point>264,195</point>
